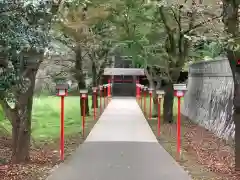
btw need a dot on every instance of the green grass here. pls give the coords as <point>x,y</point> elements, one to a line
<point>3,130</point>
<point>46,117</point>
<point>1,113</point>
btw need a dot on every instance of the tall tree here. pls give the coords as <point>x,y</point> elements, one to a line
<point>23,37</point>
<point>159,36</point>
<point>183,24</point>
<point>80,22</point>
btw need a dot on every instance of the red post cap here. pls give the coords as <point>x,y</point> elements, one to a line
<point>179,93</point>
<point>238,62</point>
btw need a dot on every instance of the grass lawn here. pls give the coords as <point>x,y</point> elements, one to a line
<point>1,113</point>
<point>46,117</point>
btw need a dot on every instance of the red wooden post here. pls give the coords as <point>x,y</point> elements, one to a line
<point>94,102</point>
<point>62,92</point>
<point>159,115</point>
<point>83,118</point>
<point>141,98</point>
<point>109,87</point>
<point>145,94</point>
<point>94,106</point>
<point>83,96</point>
<point>137,82</point>
<point>179,126</point>
<point>138,91</point>
<point>150,106</point>
<point>179,92</point>
<point>104,95</point>
<point>160,94</point>
<point>142,94</point>
<point>62,129</point>
<point>100,94</point>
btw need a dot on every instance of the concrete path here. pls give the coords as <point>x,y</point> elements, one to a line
<point>121,146</point>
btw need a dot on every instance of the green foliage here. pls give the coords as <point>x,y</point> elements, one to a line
<point>162,35</point>
<point>23,33</point>
<point>84,26</point>
<point>133,21</point>
<point>209,50</point>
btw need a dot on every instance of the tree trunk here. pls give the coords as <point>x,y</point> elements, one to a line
<point>79,76</point>
<point>236,104</point>
<point>21,133</point>
<point>20,118</point>
<point>94,84</point>
<point>236,118</point>
<point>155,106</point>
<point>168,103</point>
<point>230,20</point>
<point>155,100</point>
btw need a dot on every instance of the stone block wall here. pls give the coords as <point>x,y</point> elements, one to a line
<point>208,100</point>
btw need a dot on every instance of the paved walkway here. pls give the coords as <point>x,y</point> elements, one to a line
<point>121,146</point>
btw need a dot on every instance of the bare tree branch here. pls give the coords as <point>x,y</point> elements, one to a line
<point>200,24</point>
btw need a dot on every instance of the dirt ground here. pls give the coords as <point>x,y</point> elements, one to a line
<point>43,157</point>
<point>203,155</point>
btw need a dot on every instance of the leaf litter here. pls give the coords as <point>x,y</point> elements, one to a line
<point>204,156</point>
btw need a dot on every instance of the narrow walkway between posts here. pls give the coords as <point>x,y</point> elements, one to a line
<point>121,146</point>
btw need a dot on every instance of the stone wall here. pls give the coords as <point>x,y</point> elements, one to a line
<point>208,100</point>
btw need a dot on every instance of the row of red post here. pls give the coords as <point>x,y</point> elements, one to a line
<point>141,95</point>
<point>104,94</point>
